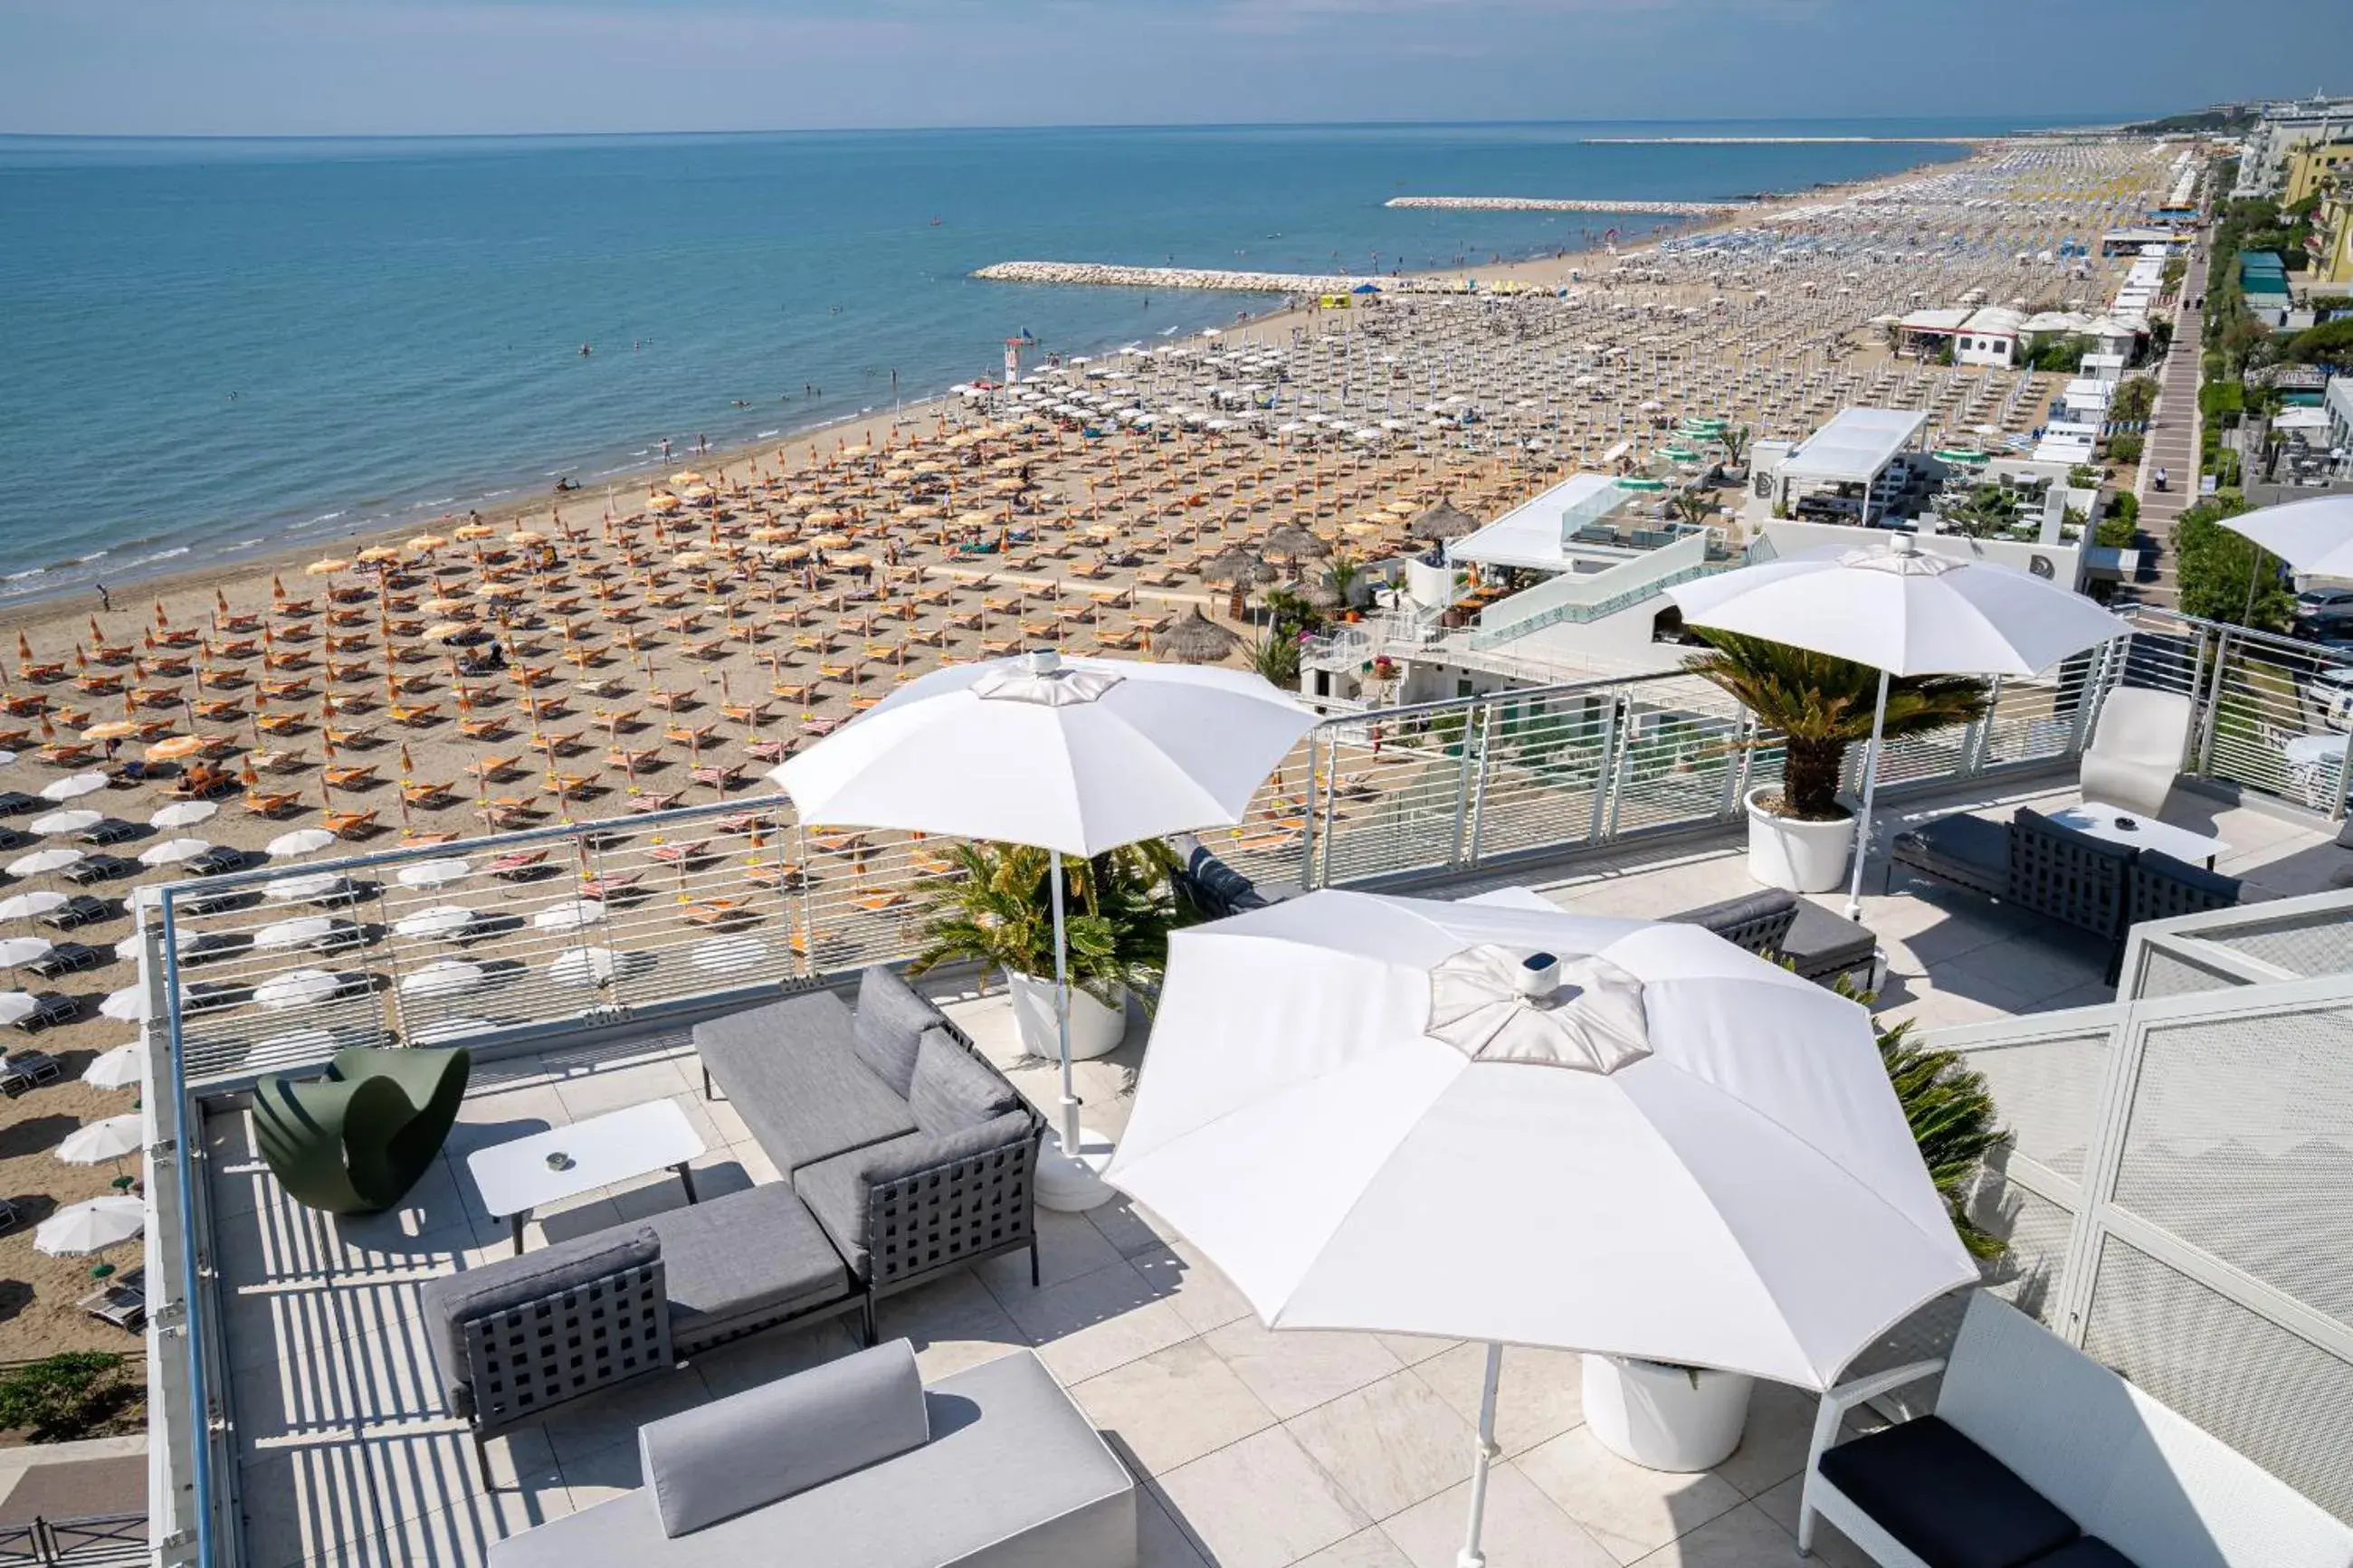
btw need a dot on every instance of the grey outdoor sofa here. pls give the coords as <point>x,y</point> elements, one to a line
<point>911,1151</point>
<point>857,1462</point>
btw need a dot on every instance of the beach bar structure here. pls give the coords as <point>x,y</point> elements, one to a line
<point>1856,447</point>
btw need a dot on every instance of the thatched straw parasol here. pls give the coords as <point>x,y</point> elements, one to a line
<point>1444,521</point>
<point>1195,640</point>
<point>1239,567</point>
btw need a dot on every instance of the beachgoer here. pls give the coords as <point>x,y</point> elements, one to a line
<point>105,599</point>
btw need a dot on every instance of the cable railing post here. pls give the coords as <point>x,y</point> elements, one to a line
<point>1605,768</point>
<point>2209,721</point>
<point>809,895</point>
<point>1621,757</point>
<point>1318,801</point>
<point>1479,785</point>
<point>1463,766</point>
<point>1736,771</point>
<point>1979,738</point>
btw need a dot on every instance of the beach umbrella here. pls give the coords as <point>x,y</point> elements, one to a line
<point>73,786</point>
<point>1905,612</point>
<point>440,921</point>
<point>328,567</point>
<point>444,978</point>
<point>183,814</point>
<point>2314,536</point>
<point>176,748</point>
<point>40,862</point>
<point>302,889</point>
<point>434,873</point>
<point>77,820</point>
<point>1075,756</point>
<point>1495,1120</point>
<point>173,851</point>
<point>108,1140</point>
<point>585,966</point>
<point>570,915</point>
<point>298,988</point>
<point>26,906</point>
<point>301,841</point>
<point>17,1005</point>
<point>1194,638</point>
<point>90,1227</point>
<point>722,954</point>
<point>124,1066</point>
<point>1442,522</point>
<point>300,932</point>
<point>22,950</point>
<point>112,730</point>
<point>1239,568</point>
<point>126,1004</point>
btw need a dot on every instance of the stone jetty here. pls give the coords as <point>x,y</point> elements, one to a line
<point>1556,204</point>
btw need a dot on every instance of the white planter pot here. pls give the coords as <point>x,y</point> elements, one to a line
<point>1653,1415</point>
<point>1095,1030</point>
<point>1803,857</point>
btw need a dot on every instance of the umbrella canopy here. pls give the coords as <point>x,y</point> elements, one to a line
<point>299,931</point>
<point>301,841</point>
<point>1683,1154</point>
<point>17,1005</point>
<point>73,786</point>
<point>1898,608</point>
<point>443,977</point>
<point>90,1227</point>
<point>77,819</point>
<point>296,889</point>
<point>298,988</point>
<point>17,950</point>
<point>1078,756</point>
<point>2312,536</point>
<point>440,921</point>
<point>108,1140</point>
<point>124,1066</point>
<point>173,851</point>
<point>42,861</point>
<point>433,873</point>
<point>125,1005</point>
<point>183,814</point>
<point>1194,638</point>
<point>570,915</point>
<point>1444,521</point>
<point>26,906</point>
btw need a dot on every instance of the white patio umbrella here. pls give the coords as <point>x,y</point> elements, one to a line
<point>2314,536</point>
<point>40,862</point>
<point>440,921</point>
<point>1495,1120</point>
<point>121,1067</point>
<point>173,851</point>
<point>26,906</point>
<point>90,1227</point>
<point>127,1004</point>
<point>433,873</point>
<point>300,890</point>
<point>15,1005</point>
<point>17,950</point>
<point>301,841</point>
<point>108,1140</point>
<point>1076,756</point>
<point>570,915</point>
<point>300,932</point>
<point>591,966</point>
<point>1904,611</point>
<point>74,819</point>
<point>73,786</point>
<point>443,977</point>
<point>184,814</point>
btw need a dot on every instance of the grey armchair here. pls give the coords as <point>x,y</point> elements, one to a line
<point>2138,745</point>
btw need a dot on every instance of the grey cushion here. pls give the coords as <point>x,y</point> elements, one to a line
<point>1013,1476</point>
<point>955,1089</point>
<point>1755,922</point>
<point>1968,851</point>
<point>748,1253</point>
<point>455,1299</point>
<point>890,1022</point>
<point>1819,944</point>
<point>835,1190</point>
<point>1947,1501</point>
<point>792,1071</point>
<point>768,1443</point>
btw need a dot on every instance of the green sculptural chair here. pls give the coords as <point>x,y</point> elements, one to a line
<point>355,1141</point>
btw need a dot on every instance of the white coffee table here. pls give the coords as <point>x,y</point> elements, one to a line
<point>2106,823</point>
<point>516,1178</point>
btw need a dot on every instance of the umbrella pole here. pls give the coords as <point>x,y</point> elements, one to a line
<point>1483,1458</point>
<point>1062,1009</point>
<point>1870,785</point>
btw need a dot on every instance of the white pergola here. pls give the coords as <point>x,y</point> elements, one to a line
<point>1854,449</point>
<point>1537,533</point>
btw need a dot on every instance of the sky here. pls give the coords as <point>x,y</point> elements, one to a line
<point>444,67</point>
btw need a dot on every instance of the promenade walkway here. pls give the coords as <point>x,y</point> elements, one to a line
<point>2172,443</point>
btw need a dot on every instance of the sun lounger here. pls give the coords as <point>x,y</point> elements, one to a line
<point>50,1008</point>
<point>26,1070</point>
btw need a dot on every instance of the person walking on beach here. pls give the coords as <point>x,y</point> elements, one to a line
<point>105,599</point>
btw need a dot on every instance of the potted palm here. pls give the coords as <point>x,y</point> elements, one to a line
<point>1815,707</point>
<point>996,909</point>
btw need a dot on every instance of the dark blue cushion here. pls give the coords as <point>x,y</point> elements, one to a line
<point>2083,1552</point>
<point>1945,1499</point>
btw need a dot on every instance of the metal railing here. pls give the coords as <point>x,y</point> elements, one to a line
<point>572,926</point>
<point>2173,1161</point>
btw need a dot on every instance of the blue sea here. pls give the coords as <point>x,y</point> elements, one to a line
<point>210,347</point>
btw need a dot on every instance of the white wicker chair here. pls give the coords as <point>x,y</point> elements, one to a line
<point>2162,1491</point>
<point>2137,749</point>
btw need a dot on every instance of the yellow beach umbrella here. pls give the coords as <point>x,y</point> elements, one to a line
<point>174,748</point>
<point>526,536</point>
<point>477,531</point>
<point>112,729</point>
<point>663,503</point>
<point>428,542</point>
<point>329,567</point>
<point>379,552</point>
<point>832,541</point>
<point>442,631</point>
<point>689,478</point>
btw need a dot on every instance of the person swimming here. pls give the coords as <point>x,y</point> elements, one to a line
<point>586,350</point>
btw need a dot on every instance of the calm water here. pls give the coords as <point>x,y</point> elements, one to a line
<point>210,345</point>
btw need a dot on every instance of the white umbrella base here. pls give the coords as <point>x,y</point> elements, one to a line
<point>1073,1184</point>
<point>1664,1417</point>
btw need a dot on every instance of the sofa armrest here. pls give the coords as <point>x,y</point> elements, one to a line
<point>953,1199</point>
<point>1837,1401</point>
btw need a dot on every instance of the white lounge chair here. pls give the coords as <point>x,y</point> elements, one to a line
<point>2137,749</point>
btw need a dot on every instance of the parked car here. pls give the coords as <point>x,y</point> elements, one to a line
<point>2316,608</point>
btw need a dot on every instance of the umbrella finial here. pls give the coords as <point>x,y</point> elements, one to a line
<point>1539,976</point>
<point>1042,661</point>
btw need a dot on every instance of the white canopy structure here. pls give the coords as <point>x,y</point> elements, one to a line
<point>1535,535</point>
<point>1854,448</point>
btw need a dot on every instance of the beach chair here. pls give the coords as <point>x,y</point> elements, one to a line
<point>68,958</point>
<point>81,909</point>
<point>122,1305</point>
<point>27,1070</point>
<point>349,824</point>
<point>351,778</point>
<point>511,865</point>
<point>270,803</point>
<point>482,729</point>
<point>50,1008</point>
<point>99,868</point>
<point>645,801</point>
<point>424,792</point>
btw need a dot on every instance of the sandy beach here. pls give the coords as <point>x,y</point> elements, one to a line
<point>555,660</point>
